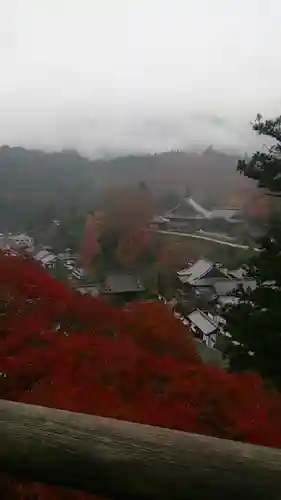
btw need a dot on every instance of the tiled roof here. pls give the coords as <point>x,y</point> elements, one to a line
<point>226,287</point>
<point>41,255</point>
<point>196,271</point>
<point>49,258</point>
<point>45,257</point>
<point>89,290</point>
<point>237,273</point>
<point>200,210</point>
<point>211,281</point>
<point>203,322</point>
<point>122,283</point>
<point>225,300</point>
<point>189,203</point>
<point>225,213</point>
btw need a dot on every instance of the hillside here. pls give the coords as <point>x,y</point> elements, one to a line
<point>65,350</point>
<point>40,186</point>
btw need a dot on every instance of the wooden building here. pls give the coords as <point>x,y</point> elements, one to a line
<point>120,288</point>
<point>190,216</point>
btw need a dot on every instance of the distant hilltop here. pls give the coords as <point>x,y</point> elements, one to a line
<point>44,185</point>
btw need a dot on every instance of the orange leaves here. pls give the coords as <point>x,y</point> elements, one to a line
<point>132,246</point>
<point>127,208</point>
<point>127,213</point>
<point>172,255</point>
<point>90,246</point>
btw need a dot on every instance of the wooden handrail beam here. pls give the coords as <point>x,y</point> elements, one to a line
<point>128,461</point>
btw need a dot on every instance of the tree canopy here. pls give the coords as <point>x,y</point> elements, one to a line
<point>123,237</point>
<point>255,323</point>
<point>265,166</point>
<point>61,349</point>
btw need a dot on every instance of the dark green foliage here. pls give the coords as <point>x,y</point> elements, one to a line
<point>108,242</point>
<point>265,167</point>
<point>255,323</point>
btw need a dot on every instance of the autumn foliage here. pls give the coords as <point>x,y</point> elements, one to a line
<point>90,244</point>
<point>123,229</point>
<point>64,350</point>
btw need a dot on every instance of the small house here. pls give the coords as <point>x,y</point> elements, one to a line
<point>20,241</point>
<point>92,290</point>
<point>201,274</point>
<point>226,292</point>
<point>120,288</point>
<point>230,287</point>
<point>46,258</point>
<point>203,327</point>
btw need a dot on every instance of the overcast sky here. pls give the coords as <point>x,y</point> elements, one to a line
<point>137,75</point>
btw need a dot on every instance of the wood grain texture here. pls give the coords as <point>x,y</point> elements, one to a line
<point>128,461</point>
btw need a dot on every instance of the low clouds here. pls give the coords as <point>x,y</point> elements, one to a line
<point>137,75</point>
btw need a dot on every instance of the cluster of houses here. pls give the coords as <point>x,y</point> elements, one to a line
<point>65,259</point>
<point>212,286</point>
<point>16,242</point>
<point>21,242</point>
<point>118,288</point>
<point>202,289</point>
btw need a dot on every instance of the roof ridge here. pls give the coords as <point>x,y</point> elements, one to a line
<point>205,315</point>
<point>208,317</point>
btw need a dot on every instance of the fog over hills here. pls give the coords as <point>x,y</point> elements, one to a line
<point>46,186</point>
<point>111,78</point>
<point>134,88</point>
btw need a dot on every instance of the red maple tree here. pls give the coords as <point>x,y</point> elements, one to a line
<point>127,212</point>
<point>64,350</point>
<point>90,244</point>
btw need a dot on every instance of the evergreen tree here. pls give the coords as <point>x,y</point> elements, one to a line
<point>255,323</point>
<point>265,167</point>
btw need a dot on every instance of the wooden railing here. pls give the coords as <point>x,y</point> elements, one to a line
<point>128,461</point>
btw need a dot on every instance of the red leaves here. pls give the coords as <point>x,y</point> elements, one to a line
<point>132,245</point>
<point>62,349</point>
<point>127,213</point>
<point>155,328</point>
<point>90,245</point>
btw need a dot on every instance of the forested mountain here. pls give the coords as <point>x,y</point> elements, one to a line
<point>37,185</point>
<point>43,186</point>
